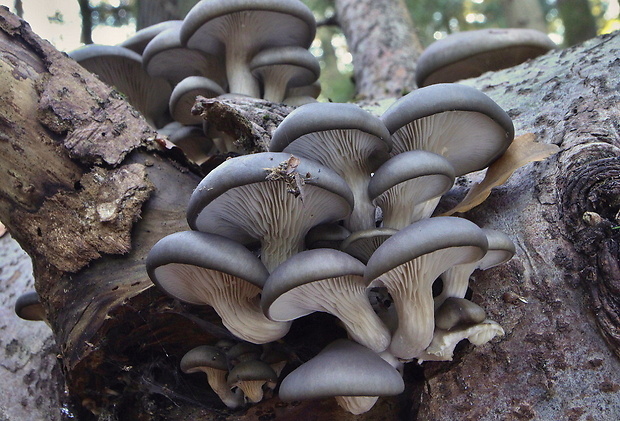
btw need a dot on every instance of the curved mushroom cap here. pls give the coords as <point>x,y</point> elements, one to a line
<point>501,249</point>
<point>343,368</point>
<point>138,41</point>
<point>343,137</point>
<point>409,185</point>
<point>325,280</point>
<point>458,122</point>
<point>362,244</point>
<point>240,28</point>
<point>122,68</point>
<point>183,98</point>
<point>250,376</point>
<point>28,307</point>
<point>201,357</point>
<point>308,91</point>
<point>263,195</point>
<point>193,142</point>
<point>202,250</point>
<point>201,268</point>
<point>167,58</point>
<point>282,68</point>
<point>471,53</point>
<point>458,312</point>
<point>408,263</point>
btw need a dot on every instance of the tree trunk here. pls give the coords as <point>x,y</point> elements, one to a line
<point>579,23</point>
<point>384,46</point>
<point>525,14</point>
<point>89,188</point>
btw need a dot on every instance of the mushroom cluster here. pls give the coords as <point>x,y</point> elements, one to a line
<point>256,48</point>
<point>337,217</point>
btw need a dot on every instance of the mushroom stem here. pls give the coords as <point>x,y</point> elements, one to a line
<point>240,78</point>
<point>455,282</point>
<point>356,405</point>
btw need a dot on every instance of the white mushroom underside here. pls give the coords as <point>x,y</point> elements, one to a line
<point>268,212</point>
<point>345,297</point>
<point>356,405</point>
<point>465,138</point>
<point>217,380</point>
<point>278,77</point>
<point>346,151</point>
<point>234,300</point>
<point>176,64</point>
<point>363,248</point>
<point>253,389</point>
<point>410,201</point>
<point>410,286</point>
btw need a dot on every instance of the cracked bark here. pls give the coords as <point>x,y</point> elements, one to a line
<point>90,188</point>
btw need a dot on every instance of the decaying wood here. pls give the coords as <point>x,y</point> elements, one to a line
<point>90,188</point>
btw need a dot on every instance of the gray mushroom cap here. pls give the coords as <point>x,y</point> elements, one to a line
<point>456,121</point>
<point>122,68</point>
<point>166,57</point>
<point>501,249</point>
<point>138,41</point>
<point>203,356</point>
<point>183,98</point>
<point>203,250</point>
<point>250,376</point>
<point>343,368</point>
<point>458,312</point>
<point>326,236</point>
<point>471,53</point>
<point>281,68</point>
<point>241,28</point>
<point>28,307</point>
<point>362,244</point>
<point>409,185</point>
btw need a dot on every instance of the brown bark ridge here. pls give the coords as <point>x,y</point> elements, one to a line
<point>90,188</point>
<point>558,297</point>
<point>384,46</point>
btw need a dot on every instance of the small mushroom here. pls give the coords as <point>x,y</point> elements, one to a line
<point>455,121</point>
<point>409,185</point>
<point>281,68</point>
<point>28,307</point>
<point>138,41</point>
<point>362,244</point>
<point>238,30</point>
<point>346,370</point>
<point>195,145</point>
<point>458,312</point>
<point>456,279</point>
<point>325,280</point>
<point>343,137</point>
<point>211,361</point>
<point>183,98</point>
<point>207,269</point>
<point>251,376</point>
<point>274,198</point>
<point>408,263</point>
<point>467,54</point>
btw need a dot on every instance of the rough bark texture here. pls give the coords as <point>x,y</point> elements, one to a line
<point>384,48</point>
<point>89,189</point>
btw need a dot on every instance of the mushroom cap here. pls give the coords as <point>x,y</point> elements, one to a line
<point>362,244</point>
<point>183,98</point>
<point>456,121</point>
<point>122,68</point>
<point>301,269</point>
<point>251,370</point>
<point>203,356</point>
<point>501,249</point>
<point>251,169</point>
<point>435,170</point>
<point>203,250</point>
<point>423,237</point>
<point>166,57</point>
<point>457,312</point>
<point>343,368</point>
<point>28,307</point>
<point>192,140</point>
<point>279,23</point>
<point>283,67</point>
<point>324,116</point>
<point>138,41</point>
<point>326,236</point>
<point>471,53</point>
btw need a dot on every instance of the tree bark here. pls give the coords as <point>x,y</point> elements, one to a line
<point>525,14</point>
<point>385,48</point>
<point>579,23</point>
<point>89,188</point>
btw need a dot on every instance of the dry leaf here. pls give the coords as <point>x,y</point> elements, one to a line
<point>523,150</point>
